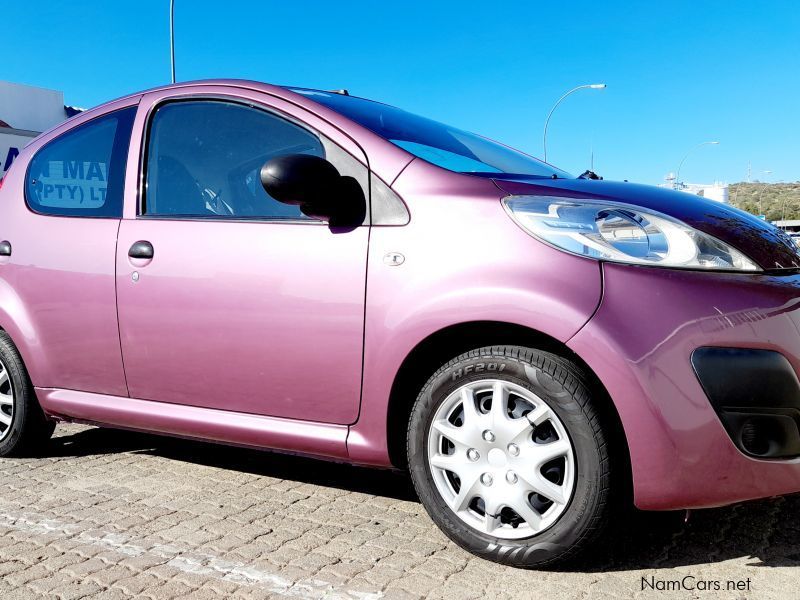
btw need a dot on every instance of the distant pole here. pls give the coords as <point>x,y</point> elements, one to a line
<point>592,86</point>
<point>761,193</point>
<point>172,37</point>
<point>783,211</point>
<point>692,149</point>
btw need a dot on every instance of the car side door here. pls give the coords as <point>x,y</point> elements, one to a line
<point>228,299</point>
<point>60,217</point>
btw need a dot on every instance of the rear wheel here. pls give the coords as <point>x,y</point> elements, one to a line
<point>508,457</point>
<point>23,426</point>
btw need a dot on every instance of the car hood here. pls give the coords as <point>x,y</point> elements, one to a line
<point>764,243</point>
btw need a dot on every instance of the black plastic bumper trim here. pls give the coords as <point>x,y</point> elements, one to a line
<point>756,394</point>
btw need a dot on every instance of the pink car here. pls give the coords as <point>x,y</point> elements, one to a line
<point>316,273</point>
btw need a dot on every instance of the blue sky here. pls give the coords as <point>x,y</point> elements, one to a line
<point>678,73</point>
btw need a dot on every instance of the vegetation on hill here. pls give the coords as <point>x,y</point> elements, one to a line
<point>775,200</point>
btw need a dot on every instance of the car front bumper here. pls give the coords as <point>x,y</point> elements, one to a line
<point>641,343</point>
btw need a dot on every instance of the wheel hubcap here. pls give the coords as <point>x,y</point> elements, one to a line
<point>6,401</point>
<point>501,459</point>
<point>497,458</point>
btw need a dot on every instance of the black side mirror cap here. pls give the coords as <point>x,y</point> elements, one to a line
<point>298,178</point>
<point>315,185</point>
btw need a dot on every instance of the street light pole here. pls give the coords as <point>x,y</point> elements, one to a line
<point>692,149</point>
<point>592,86</point>
<point>172,37</point>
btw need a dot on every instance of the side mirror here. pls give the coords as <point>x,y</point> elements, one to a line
<point>315,185</point>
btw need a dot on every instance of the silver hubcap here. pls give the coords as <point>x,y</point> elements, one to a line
<point>501,459</point>
<point>6,401</point>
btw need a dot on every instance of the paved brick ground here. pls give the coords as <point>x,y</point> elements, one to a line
<point>112,515</point>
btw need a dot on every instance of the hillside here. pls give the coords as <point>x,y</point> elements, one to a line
<point>778,200</point>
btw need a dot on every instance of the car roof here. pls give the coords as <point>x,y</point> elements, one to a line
<point>281,91</point>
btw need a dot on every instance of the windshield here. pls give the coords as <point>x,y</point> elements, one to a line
<point>440,144</point>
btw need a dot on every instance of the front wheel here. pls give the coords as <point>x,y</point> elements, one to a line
<point>508,457</point>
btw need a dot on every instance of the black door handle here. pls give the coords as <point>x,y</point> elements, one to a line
<point>5,248</point>
<point>141,249</point>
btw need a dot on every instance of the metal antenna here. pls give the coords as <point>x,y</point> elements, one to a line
<point>172,37</point>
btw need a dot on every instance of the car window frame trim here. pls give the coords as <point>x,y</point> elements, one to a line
<point>114,149</point>
<point>141,191</point>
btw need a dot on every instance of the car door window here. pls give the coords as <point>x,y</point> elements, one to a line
<point>82,172</point>
<point>205,157</point>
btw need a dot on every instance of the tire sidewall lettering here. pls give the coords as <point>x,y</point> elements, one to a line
<point>481,367</point>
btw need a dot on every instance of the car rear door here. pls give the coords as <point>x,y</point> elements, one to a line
<point>60,217</point>
<point>246,305</point>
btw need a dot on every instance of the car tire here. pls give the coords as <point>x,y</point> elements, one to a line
<point>550,393</point>
<point>24,428</point>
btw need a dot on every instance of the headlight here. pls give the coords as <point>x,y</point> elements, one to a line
<point>619,232</point>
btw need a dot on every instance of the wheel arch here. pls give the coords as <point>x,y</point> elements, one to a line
<point>16,321</point>
<point>447,343</point>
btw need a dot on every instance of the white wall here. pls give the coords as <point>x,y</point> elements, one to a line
<point>26,108</point>
<point>31,108</point>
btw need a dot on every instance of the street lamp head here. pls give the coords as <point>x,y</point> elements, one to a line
<point>678,174</point>
<point>592,86</point>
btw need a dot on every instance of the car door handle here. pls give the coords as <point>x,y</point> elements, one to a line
<point>141,249</point>
<point>5,248</point>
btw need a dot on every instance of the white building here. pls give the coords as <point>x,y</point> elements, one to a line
<point>713,191</point>
<point>792,226</point>
<point>25,112</point>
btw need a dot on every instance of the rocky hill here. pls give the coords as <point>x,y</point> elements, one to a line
<point>775,200</point>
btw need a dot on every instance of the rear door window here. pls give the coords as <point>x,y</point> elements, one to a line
<point>82,172</point>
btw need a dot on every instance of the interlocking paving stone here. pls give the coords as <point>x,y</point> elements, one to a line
<point>113,515</point>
